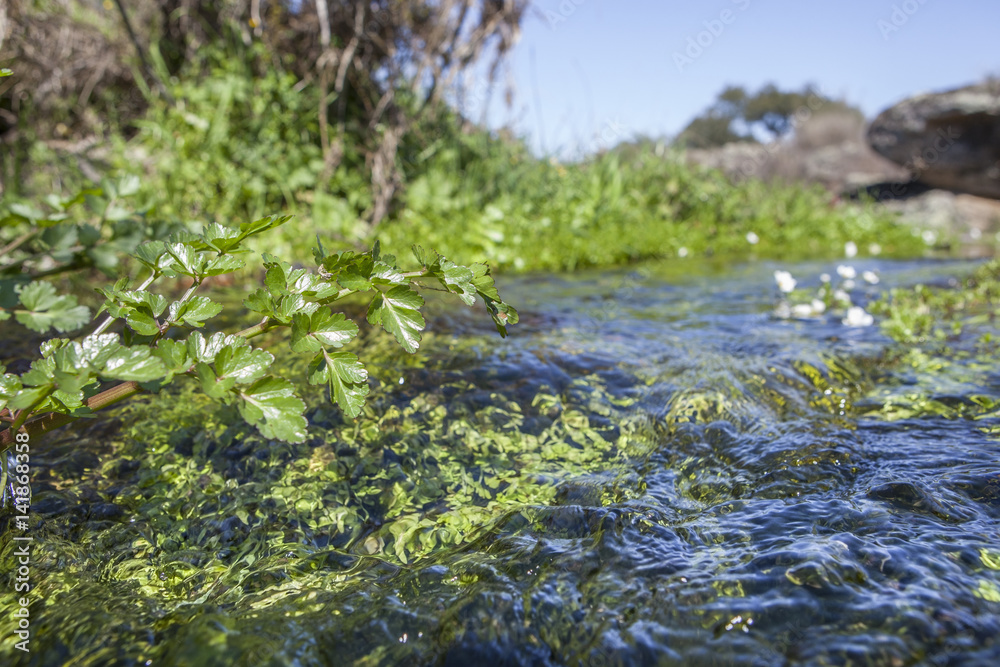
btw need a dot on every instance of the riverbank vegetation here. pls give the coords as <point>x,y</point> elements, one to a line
<point>237,517</point>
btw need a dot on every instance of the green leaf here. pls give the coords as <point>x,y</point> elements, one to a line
<point>154,304</point>
<point>383,273</point>
<point>187,260</point>
<point>310,333</point>
<point>397,312</point>
<point>454,277</point>
<point>96,350</point>
<point>134,364</point>
<point>142,323</point>
<point>10,384</point>
<point>211,384</point>
<point>45,309</point>
<point>502,313</point>
<point>194,312</point>
<point>29,396</point>
<point>223,264</point>
<point>248,229</point>
<point>271,405</point>
<point>221,239</point>
<point>260,301</point>
<point>151,254</point>
<point>174,355</point>
<point>346,377</point>
<point>42,372</point>
<point>291,305</point>
<point>206,349</point>
<point>243,364</point>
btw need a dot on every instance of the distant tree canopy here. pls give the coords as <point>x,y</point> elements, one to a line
<point>737,115</point>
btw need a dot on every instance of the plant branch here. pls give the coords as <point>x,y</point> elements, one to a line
<point>18,242</point>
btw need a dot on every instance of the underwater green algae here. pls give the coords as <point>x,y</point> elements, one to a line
<point>712,488</point>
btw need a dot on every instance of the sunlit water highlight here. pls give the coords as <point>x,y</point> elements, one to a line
<point>756,509</point>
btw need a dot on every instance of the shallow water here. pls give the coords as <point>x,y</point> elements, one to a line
<point>723,490</point>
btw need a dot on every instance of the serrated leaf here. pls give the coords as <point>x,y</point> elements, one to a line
<point>211,384</point>
<point>502,313</point>
<point>96,350</point>
<point>311,333</point>
<point>260,301</point>
<point>150,254</point>
<point>271,405</point>
<point>383,273</point>
<point>29,396</point>
<point>206,349</point>
<point>134,364</point>
<point>194,312</point>
<point>45,309</point>
<point>274,279</point>
<point>187,260</point>
<point>291,305</point>
<point>42,372</point>
<point>248,229</point>
<point>397,312</point>
<point>221,238</point>
<point>353,278</point>
<point>243,364</point>
<point>142,323</point>
<point>346,377</point>
<point>154,304</point>
<point>223,264</point>
<point>174,355</point>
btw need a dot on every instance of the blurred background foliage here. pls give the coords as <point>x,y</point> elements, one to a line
<point>336,112</point>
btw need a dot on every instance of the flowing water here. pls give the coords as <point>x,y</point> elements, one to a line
<point>652,469</point>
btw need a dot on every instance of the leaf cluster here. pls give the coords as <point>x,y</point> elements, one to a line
<point>161,340</point>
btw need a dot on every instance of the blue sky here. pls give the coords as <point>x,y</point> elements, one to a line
<point>610,69</point>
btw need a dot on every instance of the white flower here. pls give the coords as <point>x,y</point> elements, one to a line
<point>752,238</point>
<point>847,272</point>
<point>785,281</point>
<point>802,310</point>
<point>874,249</point>
<point>929,237</point>
<point>857,317</point>
<point>818,306</point>
<point>975,233</point>
<point>848,285</point>
<point>824,277</point>
<point>682,252</point>
<point>842,296</point>
<point>850,249</point>
<point>870,277</point>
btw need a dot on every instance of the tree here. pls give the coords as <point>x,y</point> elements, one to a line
<point>769,110</point>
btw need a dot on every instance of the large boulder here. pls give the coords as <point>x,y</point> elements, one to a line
<point>947,140</point>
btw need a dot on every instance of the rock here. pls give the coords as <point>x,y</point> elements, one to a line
<point>828,149</point>
<point>948,140</point>
<point>973,221</point>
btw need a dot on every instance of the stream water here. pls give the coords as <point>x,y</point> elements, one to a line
<point>727,489</point>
